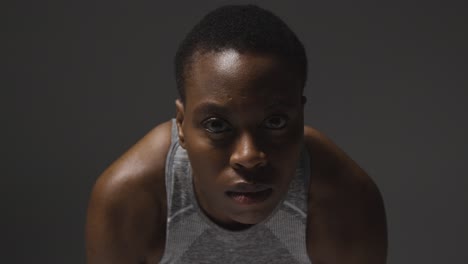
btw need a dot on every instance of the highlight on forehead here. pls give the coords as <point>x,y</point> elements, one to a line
<point>231,60</point>
<point>218,74</point>
<point>228,60</point>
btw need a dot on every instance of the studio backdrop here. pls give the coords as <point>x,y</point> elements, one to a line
<point>84,80</point>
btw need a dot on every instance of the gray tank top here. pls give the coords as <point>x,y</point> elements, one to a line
<point>191,237</point>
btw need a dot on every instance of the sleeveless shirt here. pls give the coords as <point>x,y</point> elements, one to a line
<point>191,237</point>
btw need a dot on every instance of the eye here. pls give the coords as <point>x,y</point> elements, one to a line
<point>216,125</point>
<point>276,122</point>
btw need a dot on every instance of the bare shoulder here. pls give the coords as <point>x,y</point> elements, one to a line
<point>127,210</point>
<point>346,222</point>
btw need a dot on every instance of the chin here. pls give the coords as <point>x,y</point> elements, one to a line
<point>252,216</point>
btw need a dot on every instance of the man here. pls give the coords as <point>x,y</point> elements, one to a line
<point>236,177</point>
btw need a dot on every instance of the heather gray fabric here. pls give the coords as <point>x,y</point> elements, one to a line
<point>193,238</point>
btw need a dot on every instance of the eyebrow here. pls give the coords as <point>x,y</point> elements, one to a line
<point>210,107</point>
<point>206,108</point>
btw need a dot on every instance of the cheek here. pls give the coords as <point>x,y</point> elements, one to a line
<point>284,154</point>
<point>207,162</point>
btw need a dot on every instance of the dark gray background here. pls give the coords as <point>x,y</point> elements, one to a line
<point>85,79</point>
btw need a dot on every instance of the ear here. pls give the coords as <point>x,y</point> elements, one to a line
<point>180,111</point>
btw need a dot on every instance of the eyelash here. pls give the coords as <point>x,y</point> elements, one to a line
<point>205,123</point>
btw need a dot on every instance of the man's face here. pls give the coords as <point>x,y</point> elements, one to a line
<point>242,127</point>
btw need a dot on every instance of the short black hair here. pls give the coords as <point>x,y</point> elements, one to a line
<point>245,28</point>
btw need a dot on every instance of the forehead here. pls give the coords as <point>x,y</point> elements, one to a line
<point>230,74</point>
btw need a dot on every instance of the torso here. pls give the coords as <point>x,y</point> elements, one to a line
<point>192,237</point>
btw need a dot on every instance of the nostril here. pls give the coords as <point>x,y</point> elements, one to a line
<point>252,163</point>
<point>237,166</point>
<point>247,154</point>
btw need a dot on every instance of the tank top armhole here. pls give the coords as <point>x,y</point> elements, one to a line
<point>169,182</point>
<point>169,173</point>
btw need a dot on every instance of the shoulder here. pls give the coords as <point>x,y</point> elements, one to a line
<point>126,211</point>
<point>346,212</point>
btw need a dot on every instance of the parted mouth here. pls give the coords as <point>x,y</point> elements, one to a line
<point>244,187</point>
<point>244,193</point>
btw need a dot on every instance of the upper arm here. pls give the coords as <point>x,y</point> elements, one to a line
<point>126,212</point>
<point>111,236</point>
<point>349,225</point>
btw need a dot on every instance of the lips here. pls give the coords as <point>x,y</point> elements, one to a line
<point>248,187</point>
<point>246,194</point>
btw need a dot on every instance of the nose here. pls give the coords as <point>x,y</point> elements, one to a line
<point>246,154</point>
